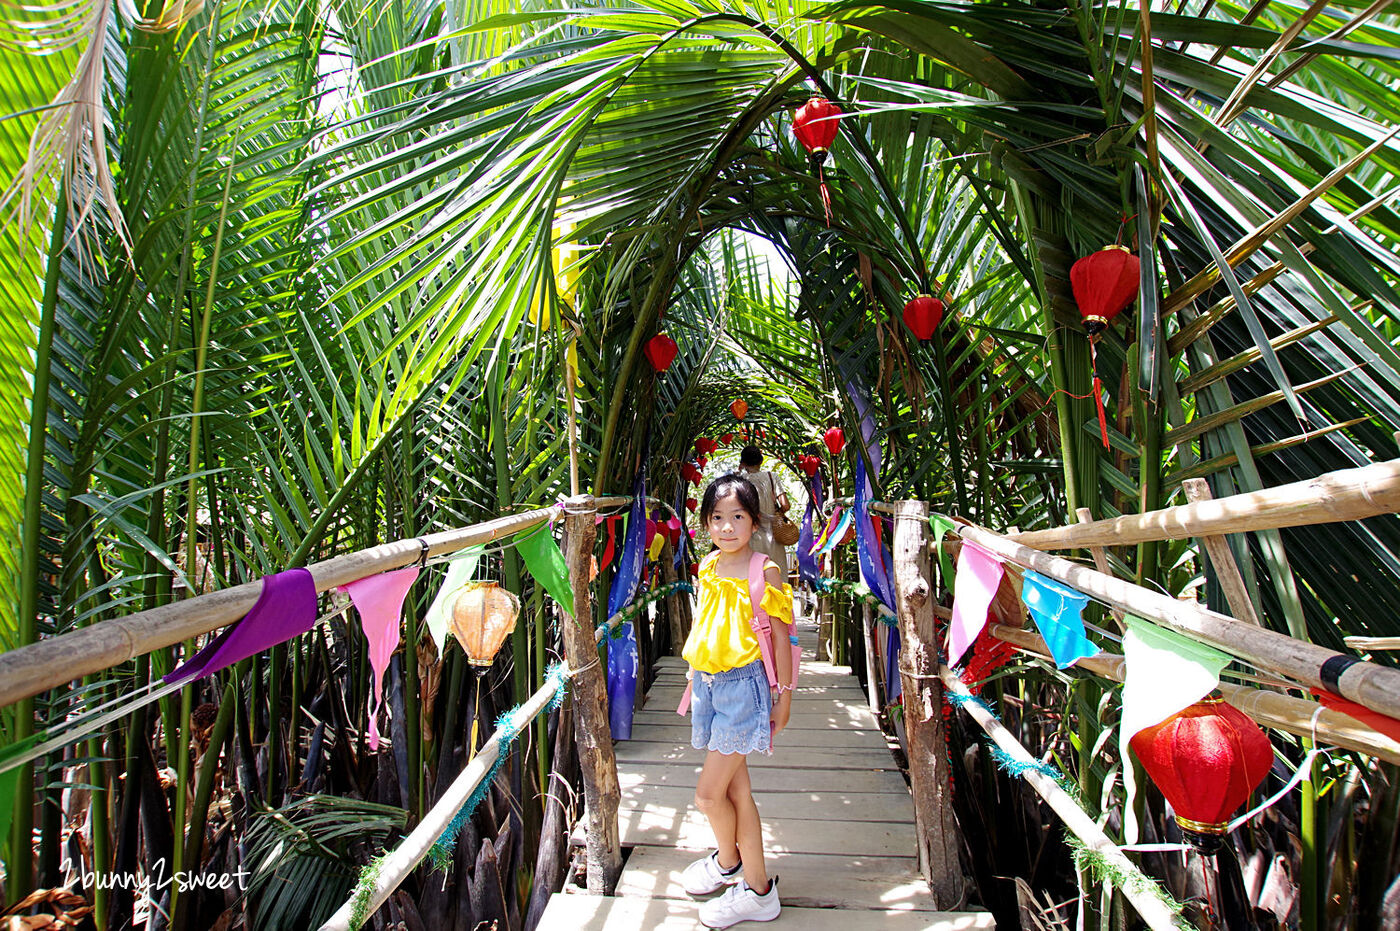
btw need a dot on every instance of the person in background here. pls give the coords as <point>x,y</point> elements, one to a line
<point>771,500</point>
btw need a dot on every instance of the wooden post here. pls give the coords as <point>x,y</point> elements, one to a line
<point>679,628</point>
<point>592,733</point>
<point>823,627</point>
<point>935,824</point>
<point>872,656</point>
<point>1227,572</point>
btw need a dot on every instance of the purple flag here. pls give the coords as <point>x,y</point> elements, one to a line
<point>286,608</point>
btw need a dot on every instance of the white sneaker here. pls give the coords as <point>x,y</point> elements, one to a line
<point>705,875</point>
<point>740,903</point>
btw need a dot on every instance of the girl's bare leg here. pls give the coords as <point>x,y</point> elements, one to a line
<point>748,828</point>
<point>712,798</point>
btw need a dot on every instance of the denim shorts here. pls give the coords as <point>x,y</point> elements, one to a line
<point>730,710</point>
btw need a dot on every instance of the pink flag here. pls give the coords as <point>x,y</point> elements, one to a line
<point>379,599</point>
<point>979,574</point>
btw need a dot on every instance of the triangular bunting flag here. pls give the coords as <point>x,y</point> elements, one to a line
<point>379,599</point>
<point>1058,612</point>
<point>979,574</point>
<point>461,568</point>
<point>1166,672</point>
<point>542,557</point>
<point>286,608</point>
<point>1372,719</point>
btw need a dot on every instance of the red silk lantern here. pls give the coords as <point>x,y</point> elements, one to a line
<point>810,465</point>
<point>739,408</point>
<point>1103,283</point>
<point>691,504</point>
<point>1206,759</point>
<point>760,433</point>
<point>835,440</point>
<point>691,473</point>
<point>705,446</point>
<point>702,461</point>
<point>922,315</point>
<point>726,438</point>
<point>815,125</point>
<point>660,351</point>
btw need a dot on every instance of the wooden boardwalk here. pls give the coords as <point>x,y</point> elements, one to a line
<point>838,820</point>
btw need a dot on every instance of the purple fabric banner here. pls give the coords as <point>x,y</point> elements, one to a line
<point>286,608</point>
<point>622,651</point>
<point>622,682</point>
<point>629,566</point>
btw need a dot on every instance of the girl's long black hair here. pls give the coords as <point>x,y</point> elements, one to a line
<point>730,482</point>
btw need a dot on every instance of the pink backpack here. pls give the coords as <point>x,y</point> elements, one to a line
<point>762,628</point>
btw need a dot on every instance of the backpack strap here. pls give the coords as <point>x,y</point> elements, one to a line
<point>762,624</point>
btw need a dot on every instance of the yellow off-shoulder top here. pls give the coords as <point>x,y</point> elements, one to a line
<point>722,636</point>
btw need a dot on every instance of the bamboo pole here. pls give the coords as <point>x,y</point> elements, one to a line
<point>404,858</point>
<point>1376,687</point>
<point>1347,494</point>
<point>936,828</point>
<point>1151,908</point>
<point>1100,555</point>
<point>1271,709</point>
<point>31,669</point>
<point>1227,572</point>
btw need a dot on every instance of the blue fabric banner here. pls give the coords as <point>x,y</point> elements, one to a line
<point>871,570</point>
<point>806,562</point>
<point>1058,612</point>
<point>894,688</point>
<point>622,682</point>
<point>629,567</point>
<point>622,651</point>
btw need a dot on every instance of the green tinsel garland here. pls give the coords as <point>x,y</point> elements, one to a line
<point>508,725</point>
<point>1087,859</point>
<point>861,592</point>
<point>614,623</point>
<point>364,888</point>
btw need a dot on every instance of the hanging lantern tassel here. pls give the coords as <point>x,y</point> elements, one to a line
<point>815,125</point>
<point>1098,388</point>
<point>1103,283</point>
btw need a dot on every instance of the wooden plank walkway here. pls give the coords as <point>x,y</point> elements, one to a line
<point>838,820</point>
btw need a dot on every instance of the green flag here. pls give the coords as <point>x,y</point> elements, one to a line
<point>460,570</point>
<point>941,524</point>
<point>542,557</point>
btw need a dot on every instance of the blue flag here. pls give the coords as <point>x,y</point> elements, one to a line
<point>806,562</point>
<point>1058,612</point>
<point>622,651</point>
<point>871,569</point>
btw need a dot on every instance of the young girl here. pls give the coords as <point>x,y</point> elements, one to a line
<point>733,712</point>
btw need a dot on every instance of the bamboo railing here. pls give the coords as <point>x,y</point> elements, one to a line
<point>1348,494</point>
<point>29,670</point>
<point>1376,687</point>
